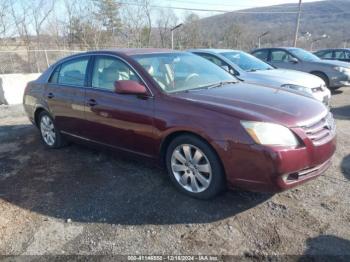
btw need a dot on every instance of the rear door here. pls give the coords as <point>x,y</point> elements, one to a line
<point>65,94</point>
<point>118,120</point>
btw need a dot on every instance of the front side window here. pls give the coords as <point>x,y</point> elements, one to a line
<point>73,72</point>
<point>213,59</point>
<point>262,54</point>
<point>304,55</point>
<point>280,56</point>
<point>107,70</point>
<point>246,61</point>
<point>176,72</point>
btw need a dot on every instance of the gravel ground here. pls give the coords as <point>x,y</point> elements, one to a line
<point>79,200</point>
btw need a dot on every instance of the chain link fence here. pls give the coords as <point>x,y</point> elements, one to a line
<point>30,61</point>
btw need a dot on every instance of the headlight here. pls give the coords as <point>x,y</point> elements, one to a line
<point>344,70</point>
<point>270,134</point>
<point>298,88</point>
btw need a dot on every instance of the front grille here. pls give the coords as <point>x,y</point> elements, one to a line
<point>321,131</point>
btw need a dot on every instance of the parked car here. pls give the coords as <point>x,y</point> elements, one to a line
<point>341,54</point>
<point>252,70</point>
<point>208,129</point>
<point>336,74</point>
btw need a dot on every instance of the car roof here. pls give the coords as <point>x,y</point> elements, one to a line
<point>213,50</point>
<point>334,49</point>
<point>130,51</point>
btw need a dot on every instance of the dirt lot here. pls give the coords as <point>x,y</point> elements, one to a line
<point>79,200</point>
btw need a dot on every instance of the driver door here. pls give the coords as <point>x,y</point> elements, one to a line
<point>119,120</point>
<point>282,59</point>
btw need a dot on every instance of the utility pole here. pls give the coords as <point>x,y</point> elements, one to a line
<point>297,25</point>
<point>172,34</point>
<point>260,36</point>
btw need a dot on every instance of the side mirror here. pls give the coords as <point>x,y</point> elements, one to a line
<point>130,87</point>
<point>293,60</point>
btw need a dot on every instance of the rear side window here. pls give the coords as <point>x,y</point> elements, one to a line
<point>54,76</point>
<point>73,72</point>
<point>263,54</point>
<point>325,54</point>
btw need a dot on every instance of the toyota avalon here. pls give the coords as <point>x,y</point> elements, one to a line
<point>207,128</point>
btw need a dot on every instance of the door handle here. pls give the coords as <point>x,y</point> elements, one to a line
<point>50,95</point>
<point>91,102</point>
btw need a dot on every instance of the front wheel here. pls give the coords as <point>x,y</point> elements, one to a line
<point>194,167</point>
<point>51,137</point>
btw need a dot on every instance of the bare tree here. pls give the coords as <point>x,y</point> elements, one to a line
<point>167,20</point>
<point>40,11</point>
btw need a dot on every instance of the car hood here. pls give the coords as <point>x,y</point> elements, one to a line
<point>278,77</point>
<point>258,103</point>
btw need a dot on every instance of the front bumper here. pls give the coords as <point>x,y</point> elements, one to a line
<point>339,80</point>
<point>274,169</point>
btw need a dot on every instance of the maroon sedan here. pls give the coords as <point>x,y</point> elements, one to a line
<point>207,128</point>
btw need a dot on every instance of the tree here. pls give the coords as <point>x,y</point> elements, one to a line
<point>107,14</point>
<point>167,20</point>
<point>191,33</point>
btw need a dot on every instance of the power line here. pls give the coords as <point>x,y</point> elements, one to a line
<point>212,10</point>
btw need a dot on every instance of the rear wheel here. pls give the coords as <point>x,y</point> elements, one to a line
<point>194,167</point>
<point>51,137</point>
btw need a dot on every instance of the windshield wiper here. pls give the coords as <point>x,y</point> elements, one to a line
<point>218,84</point>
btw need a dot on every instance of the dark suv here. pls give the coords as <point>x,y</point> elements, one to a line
<point>341,54</point>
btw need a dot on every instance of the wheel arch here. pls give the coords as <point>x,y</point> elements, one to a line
<point>319,74</point>
<point>37,113</point>
<point>171,136</point>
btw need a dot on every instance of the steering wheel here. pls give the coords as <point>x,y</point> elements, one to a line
<point>191,76</point>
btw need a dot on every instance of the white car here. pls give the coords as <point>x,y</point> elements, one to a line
<point>250,69</point>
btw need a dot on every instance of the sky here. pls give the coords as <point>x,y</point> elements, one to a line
<point>228,5</point>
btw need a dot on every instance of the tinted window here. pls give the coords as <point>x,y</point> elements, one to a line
<point>280,56</point>
<point>73,72</point>
<point>304,55</point>
<point>263,54</point>
<point>246,61</point>
<point>325,54</point>
<point>213,59</point>
<point>54,76</point>
<point>182,71</point>
<point>339,54</point>
<point>347,55</point>
<point>107,70</point>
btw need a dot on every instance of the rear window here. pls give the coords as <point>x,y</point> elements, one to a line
<point>262,54</point>
<point>72,72</point>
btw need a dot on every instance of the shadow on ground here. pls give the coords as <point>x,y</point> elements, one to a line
<point>87,185</point>
<point>341,112</point>
<point>327,248</point>
<point>345,166</point>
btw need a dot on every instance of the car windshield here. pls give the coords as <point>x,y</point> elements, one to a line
<point>246,61</point>
<point>304,55</point>
<point>176,72</point>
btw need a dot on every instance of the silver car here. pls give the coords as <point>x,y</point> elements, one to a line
<point>335,73</point>
<point>252,70</point>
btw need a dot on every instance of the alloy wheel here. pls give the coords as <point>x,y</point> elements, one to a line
<point>47,129</point>
<point>191,168</point>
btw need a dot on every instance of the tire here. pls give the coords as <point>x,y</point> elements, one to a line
<point>323,76</point>
<point>194,167</point>
<point>50,135</point>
